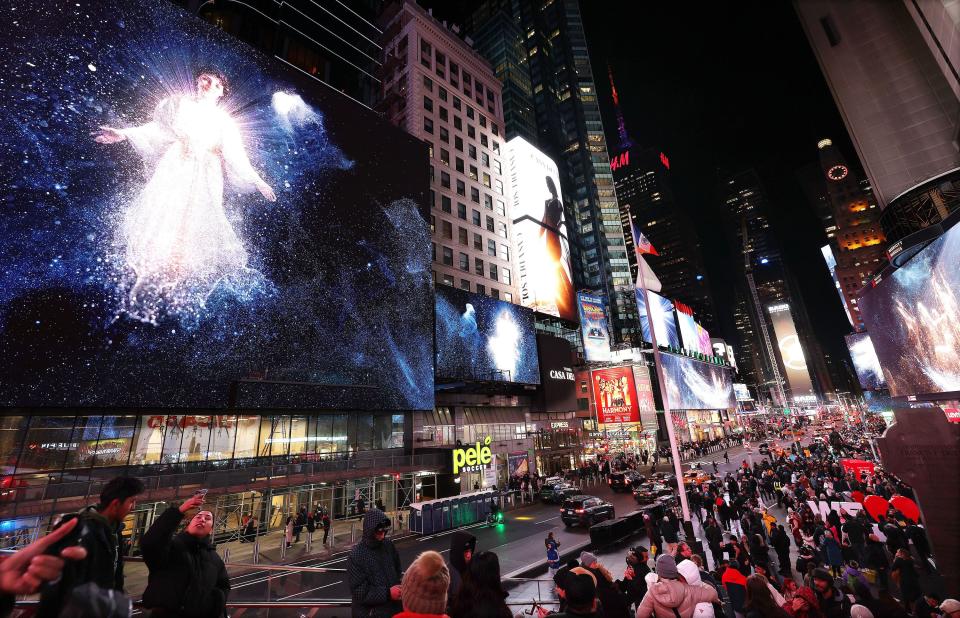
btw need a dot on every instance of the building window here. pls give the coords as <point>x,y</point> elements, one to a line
<point>426,53</point>
<point>484,159</point>
<point>444,135</point>
<point>457,123</point>
<point>476,218</point>
<point>445,180</point>
<point>499,186</point>
<point>475,194</point>
<point>501,208</point>
<point>486,180</point>
<point>447,280</point>
<point>481,289</point>
<point>491,247</point>
<point>428,103</point>
<point>469,113</point>
<point>472,151</point>
<point>505,273</point>
<point>464,285</point>
<point>507,296</point>
<point>478,242</point>
<point>504,252</point>
<point>465,262</point>
<point>457,104</point>
<point>428,125</point>
<point>444,115</point>
<point>445,156</point>
<point>446,229</point>
<point>445,204</point>
<point>462,211</point>
<point>501,229</point>
<point>478,266</point>
<point>448,257</point>
<point>463,235</point>
<point>458,143</point>
<point>495,293</point>
<point>473,174</point>
<point>483,119</point>
<point>483,140</point>
<point>428,83</point>
<point>442,93</point>
<point>460,165</point>
<point>433,251</point>
<point>488,200</point>
<point>471,133</point>
<point>461,188</point>
<point>496,167</point>
<point>489,222</point>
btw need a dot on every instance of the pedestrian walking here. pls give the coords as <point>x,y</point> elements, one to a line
<point>325,520</point>
<point>373,570</point>
<point>187,578</point>
<point>553,552</point>
<point>462,547</point>
<point>288,531</point>
<point>311,525</point>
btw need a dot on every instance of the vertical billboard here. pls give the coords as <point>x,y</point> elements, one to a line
<point>593,324</point>
<point>539,232</point>
<point>481,338</point>
<point>615,395</point>
<point>645,401</point>
<point>831,261</point>
<point>661,315</point>
<point>182,214</point>
<point>791,352</point>
<point>703,335</point>
<point>557,379</point>
<point>865,361</point>
<point>688,329</point>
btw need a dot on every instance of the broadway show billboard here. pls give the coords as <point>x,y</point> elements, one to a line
<point>593,324</point>
<point>182,213</point>
<point>481,338</point>
<point>615,395</point>
<point>539,229</point>
<point>557,379</point>
<point>790,351</point>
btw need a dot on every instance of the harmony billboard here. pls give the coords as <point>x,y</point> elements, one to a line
<point>481,338</point>
<point>790,351</point>
<point>539,229</point>
<point>593,325</point>
<point>183,212</point>
<point>615,395</point>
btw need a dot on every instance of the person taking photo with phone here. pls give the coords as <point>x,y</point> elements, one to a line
<point>187,578</point>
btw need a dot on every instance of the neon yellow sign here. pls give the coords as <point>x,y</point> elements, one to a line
<point>473,458</point>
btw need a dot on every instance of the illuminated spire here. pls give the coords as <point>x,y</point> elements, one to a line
<point>625,142</point>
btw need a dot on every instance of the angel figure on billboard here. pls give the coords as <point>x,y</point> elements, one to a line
<point>175,235</point>
<point>552,226</point>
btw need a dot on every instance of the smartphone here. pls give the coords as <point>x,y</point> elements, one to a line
<point>201,492</point>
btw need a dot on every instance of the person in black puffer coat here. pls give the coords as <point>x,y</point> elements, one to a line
<point>373,570</point>
<point>462,547</point>
<point>187,577</point>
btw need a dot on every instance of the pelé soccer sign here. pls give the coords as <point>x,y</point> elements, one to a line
<point>472,458</point>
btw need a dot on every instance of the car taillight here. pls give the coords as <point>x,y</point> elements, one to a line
<point>609,481</point>
<point>580,511</point>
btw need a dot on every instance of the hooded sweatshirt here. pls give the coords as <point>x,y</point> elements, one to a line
<point>458,541</point>
<point>666,595</point>
<point>373,567</point>
<point>691,573</point>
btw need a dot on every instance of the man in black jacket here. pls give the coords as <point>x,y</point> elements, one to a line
<point>781,544</point>
<point>187,577</point>
<point>99,532</point>
<point>462,547</point>
<point>373,570</point>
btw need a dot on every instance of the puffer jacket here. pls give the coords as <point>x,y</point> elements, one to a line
<point>373,567</point>
<point>187,577</point>
<point>458,541</point>
<point>667,595</point>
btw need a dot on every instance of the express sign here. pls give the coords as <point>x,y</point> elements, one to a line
<point>472,458</point>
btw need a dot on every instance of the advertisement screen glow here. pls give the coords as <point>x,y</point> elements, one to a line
<point>865,361</point>
<point>704,335</point>
<point>182,212</point>
<point>689,338</point>
<point>481,338</point>
<point>593,324</point>
<point>791,352</point>
<point>914,320</point>
<point>615,395</point>
<point>695,385</point>
<point>663,319</point>
<point>539,230</point>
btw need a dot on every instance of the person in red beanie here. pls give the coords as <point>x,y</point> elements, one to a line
<point>424,587</point>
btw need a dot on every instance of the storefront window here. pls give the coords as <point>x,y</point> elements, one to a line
<point>338,435</point>
<point>382,431</point>
<point>49,440</point>
<point>274,436</point>
<point>298,435</point>
<point>85,434</point>
<point>12,431</point>
<point>247,432</point>
<point>223,436</point>
<point>363,432</point>
<point>115,441</point>
<point>148,443</point>
<point>396,431</point>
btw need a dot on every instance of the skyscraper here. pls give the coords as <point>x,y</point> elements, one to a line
<point>893,70</point>
<point>570,131</point>
<point>441,91</point>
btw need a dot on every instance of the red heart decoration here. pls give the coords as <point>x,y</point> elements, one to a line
<point>876,506</point>
<point>857,496</point>
<point>906,506</point>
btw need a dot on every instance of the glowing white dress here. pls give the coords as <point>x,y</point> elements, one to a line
<point>176,235</point>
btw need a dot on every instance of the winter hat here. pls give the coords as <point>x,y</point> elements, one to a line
<point>650,578</point>
<point>950,605</point>
<point>822,575</point>
<point>667,567</point>
<point>859,611</point>
<point>690,571</point>
<point>587,559</point>
<point>425,583</point>
<point>581,590</point>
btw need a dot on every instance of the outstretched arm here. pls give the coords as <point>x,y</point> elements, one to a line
<point>238,164</point>
<point>108,135</point>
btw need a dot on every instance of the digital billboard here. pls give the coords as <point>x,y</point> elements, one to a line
<point>183,212</point>
<point>539,230</point>
<point>741,392</point>
<point>878,401</point>
<point>704,336</point>
<point>696,385</point>
<point>556,374</point>
<point>689,338</point>
<point>645,402</point>
<point>615,395</point>
<point>481,338</point>
<point>913,316</point>
<point>790,351</point>
<point>663,319</point>
<point>865,361</point>
<point>831,261</point>
<point>593,324</point>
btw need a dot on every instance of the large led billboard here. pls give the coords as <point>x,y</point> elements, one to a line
<point>865,361</point>
<point>663,319</point>
<point>913,316</point>
<point>831,261</point>
<point>481,338</point>
<point>741,392</point>
<point>183,214</point>
<point>593,324</point>
<point>689,338</point>
<point>878,401</point>
<point>615,395</point>
<point>539,230</point>
<point>790,351</point>
<point>696,385</point>
<point>559,387</point>
<point>704,336</point>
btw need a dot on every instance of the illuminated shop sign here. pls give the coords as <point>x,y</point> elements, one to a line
<point>175,420</point>
<point>473,458</point>
<point>560,425</point>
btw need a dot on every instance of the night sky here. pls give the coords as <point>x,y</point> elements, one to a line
<point>722,87</point>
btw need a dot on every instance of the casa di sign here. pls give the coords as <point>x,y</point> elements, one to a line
<point>472,458</point>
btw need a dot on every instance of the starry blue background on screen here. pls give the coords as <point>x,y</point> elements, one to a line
<point>146,264</point>
<point>480,338</point>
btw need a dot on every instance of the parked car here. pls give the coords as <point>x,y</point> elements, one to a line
<point>557,492</point>
<point>648,493</point>
<point>624,480</point>
<point>663,477</point>
<point>585,511</point>
<point>694,477</point>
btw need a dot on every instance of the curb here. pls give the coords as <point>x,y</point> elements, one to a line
<point>541,567</point>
